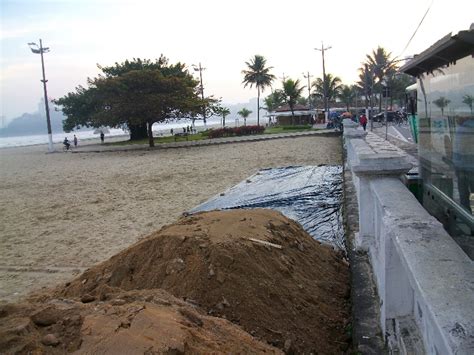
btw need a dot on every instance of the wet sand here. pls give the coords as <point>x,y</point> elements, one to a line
<point>62,213</point>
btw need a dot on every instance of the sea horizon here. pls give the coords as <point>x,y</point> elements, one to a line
<point>159,129</point>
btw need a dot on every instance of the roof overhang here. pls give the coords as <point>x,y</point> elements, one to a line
<point>444,52</point>
<point>297,113</point>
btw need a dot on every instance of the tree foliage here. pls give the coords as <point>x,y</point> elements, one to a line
<point>258,74</point>
<point>291,93</point>
<point>138,92</point>
<point>331,85</point>
<point>244,113</point>
<point>468,100</point>
<point>346,95</point>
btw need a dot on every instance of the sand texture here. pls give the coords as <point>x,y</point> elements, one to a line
<point>62,213</point>
<point>254,268</point>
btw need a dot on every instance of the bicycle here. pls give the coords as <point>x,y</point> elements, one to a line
<point>67,148</point>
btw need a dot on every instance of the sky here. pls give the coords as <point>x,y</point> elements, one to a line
<point>221,35</point>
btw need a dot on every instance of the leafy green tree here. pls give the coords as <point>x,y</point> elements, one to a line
<point>136,93</point>
<point>258,74</point>
<point>468,100</point>
<point>346,95</point>
<point>223,112</point>
<point>441,102</point>
<point>244,113</point>
<point>331,83</point>
<point>291,93</point>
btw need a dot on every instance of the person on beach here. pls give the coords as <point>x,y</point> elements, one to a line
<point>363,121</point>
<point>102,136</point>
<point>75,141</point>
<point>66,143</point>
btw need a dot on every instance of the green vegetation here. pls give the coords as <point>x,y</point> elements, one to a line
<point>288,129</point>
<point>205,135</point>
<point>135,93</point>
<point>291,93</point>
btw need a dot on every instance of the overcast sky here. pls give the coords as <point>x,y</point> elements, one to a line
<point>222,35</point>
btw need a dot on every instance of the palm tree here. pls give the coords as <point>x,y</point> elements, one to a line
<point>468,100</point>
<point>259,75</point>
<point>223,111</point>
<point>346,95</point>
<point>244,113</point>
<point>441,102</point>
<point>273,101</point>
<point>380,64</point>
<point>331,83</point>
<point>366,84</point>
<point>291,93</point>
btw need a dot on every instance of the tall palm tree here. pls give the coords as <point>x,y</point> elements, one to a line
<point>346,95</point>
<point>331,83</point>
<point>381,63</point>
<point>259,75</point>
<point>291,93</point>
<point>366,83</point>
<point>244,113</point>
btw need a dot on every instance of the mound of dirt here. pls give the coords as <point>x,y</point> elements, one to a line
<point>256,268</point>
<point>133,322</point>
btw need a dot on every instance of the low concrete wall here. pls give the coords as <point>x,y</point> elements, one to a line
<point>425,281</point>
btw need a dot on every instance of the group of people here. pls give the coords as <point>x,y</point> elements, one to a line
<point>67,144</point>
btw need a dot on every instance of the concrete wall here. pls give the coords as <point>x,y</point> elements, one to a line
<point>424,280</point>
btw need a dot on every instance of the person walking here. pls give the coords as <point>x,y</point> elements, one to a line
<point>75,141</point>
<point>363,121</point>
<point>102,136</point>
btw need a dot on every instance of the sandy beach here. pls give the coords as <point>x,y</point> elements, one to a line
<point>62,213</point>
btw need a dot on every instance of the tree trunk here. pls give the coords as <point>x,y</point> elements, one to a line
<point>151,141</point>
<point>223,121</point>
<point>258,105</point>
<point>137,132</point>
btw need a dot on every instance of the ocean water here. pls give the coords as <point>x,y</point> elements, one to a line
<point>159,129</point>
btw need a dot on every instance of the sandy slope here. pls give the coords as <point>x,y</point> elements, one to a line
<point>61,213</point>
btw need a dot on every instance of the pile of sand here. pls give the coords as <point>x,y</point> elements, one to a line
<point>255,268</point>
<point>133,322</point>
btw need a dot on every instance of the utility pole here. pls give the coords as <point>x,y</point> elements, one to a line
<point>326,101</point>
<point>40,50</point>
<point>308,76</point>
<point>200,69</point>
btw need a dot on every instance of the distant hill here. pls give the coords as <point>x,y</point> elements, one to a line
<point>33,123</point>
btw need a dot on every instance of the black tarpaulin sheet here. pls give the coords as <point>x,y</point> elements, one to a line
<point>310,195</point>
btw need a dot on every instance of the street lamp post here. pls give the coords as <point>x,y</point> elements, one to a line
<point>40,50</point>
<point>200,69</point>
<point>326,103</point>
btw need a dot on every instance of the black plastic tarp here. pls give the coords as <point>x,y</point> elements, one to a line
<point>310,195</point>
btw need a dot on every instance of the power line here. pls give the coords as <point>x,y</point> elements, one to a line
<point>414,33</point>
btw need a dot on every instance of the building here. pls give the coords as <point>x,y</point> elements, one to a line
<point>445,95</point>
<point>303,115</point>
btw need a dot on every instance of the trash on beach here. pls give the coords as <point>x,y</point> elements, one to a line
<point>310,195</point>
<point>265,243</point>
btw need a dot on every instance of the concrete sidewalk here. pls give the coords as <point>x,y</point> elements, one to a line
<point>98,148</point>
